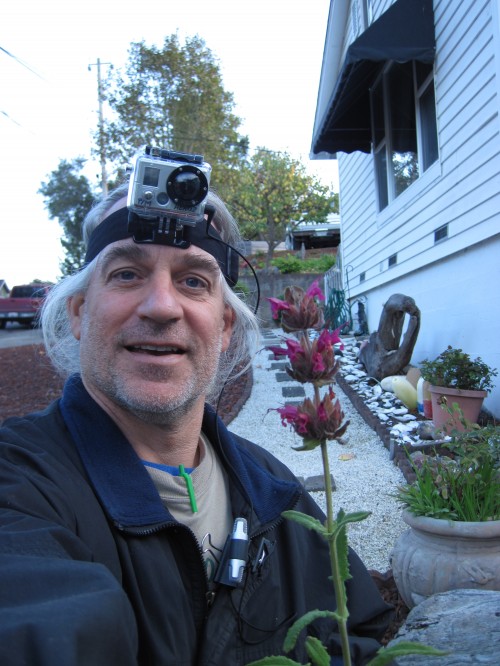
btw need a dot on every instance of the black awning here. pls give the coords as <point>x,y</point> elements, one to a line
<point>403,33</point>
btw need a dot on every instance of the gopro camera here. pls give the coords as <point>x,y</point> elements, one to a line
<point>165,184</point>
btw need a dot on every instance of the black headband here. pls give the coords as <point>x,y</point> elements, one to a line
<point>121,225</point>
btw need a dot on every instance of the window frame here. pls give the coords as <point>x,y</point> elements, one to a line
<point>382,152</point>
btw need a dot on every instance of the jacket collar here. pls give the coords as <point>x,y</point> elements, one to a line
<point>124,486</point>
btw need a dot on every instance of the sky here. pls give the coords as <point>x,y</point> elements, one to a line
<point>269,52</point>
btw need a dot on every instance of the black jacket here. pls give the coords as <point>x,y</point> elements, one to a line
<point>94,571</point>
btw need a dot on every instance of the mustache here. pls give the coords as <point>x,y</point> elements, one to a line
<point>154,331</point>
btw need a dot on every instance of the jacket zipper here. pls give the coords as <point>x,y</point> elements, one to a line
<point>153,529</point>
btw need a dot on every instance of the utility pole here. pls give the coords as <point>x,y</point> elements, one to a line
<point>102,147</point>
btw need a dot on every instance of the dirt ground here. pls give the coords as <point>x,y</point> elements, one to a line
<point>27,380</point>
<point>29,383</point>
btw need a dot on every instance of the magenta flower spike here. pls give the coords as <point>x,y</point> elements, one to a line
<point>317,363</point>
<point>309,362</point>
<point>299,310</point>
<point>314,291</point>
<point>315,421</point>
<point>278,351</point>
<point>277,306</point>
<point>313,362</point>
<point>329,338</point>
<point>295,350</point>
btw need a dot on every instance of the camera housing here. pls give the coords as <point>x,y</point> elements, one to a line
<point>166,184</point>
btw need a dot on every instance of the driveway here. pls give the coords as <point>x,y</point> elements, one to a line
<point>14,335</point>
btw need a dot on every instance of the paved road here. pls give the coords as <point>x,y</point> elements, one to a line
<point>14,335</point>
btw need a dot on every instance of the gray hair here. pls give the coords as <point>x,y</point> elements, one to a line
<point>64,350</point>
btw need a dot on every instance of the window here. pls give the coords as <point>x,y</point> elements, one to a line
<point>362,277</point>
<point>393,260</point>
<point>404,131</point>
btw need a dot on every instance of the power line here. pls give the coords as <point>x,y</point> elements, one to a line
<point>4,113</point>
<point>21,62</point>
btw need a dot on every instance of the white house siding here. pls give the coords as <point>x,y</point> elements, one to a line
<point>462,190</point>
<point>458,300</point>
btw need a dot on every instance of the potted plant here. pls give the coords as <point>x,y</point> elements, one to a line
<point>453,511</point>
<point>454,377</point>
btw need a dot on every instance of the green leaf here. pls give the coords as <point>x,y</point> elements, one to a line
<point>317,652</point>
<point>276,661</point>
<point>386,655</point>
<point>356,516</point>
<point>306,521</point>
<point>302,622</point>
<point>342,553</point>
<point>309,444</point>
<point>339,535</point>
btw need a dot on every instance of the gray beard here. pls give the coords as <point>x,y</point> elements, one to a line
<point>160,412</point>
<point>148,407</point>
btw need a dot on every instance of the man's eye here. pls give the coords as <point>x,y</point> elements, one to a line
<point>195,283</point>
<point>124,276</point>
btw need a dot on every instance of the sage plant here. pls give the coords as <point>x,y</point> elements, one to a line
<point>317,420</point>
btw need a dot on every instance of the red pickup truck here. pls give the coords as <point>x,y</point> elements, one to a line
<point>23,303</point>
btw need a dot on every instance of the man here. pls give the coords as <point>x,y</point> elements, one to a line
<point>117,501</point>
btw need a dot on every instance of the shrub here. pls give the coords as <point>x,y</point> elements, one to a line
<point>464,487</point>
<point>288,264</point>
<point>291,264</point>
<point>454,368</point>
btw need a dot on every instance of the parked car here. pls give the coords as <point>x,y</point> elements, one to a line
<point>23,304</point>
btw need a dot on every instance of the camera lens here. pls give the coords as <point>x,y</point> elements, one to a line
<point>187,186</point>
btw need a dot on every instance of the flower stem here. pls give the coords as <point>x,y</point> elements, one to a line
<point>338,583</point>
<point>337,579</point>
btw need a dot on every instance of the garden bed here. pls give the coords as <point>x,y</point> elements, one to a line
<point>28,383</point>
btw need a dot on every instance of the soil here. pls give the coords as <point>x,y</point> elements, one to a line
<point>29,383</point>
<point>389,592</point>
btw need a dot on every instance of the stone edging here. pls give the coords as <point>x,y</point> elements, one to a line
<point>400,457</point>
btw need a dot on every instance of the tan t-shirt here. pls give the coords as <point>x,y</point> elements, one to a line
<point>213,521</point>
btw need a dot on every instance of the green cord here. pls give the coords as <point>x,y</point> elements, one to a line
<point>189,486</point>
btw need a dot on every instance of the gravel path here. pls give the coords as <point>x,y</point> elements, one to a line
<point>364,481</point>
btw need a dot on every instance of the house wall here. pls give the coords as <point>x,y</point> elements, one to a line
<point>462,189</point>
<point>458,301</point>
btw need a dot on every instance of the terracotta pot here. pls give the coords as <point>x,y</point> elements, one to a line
<point>439,555</point>
<point>470,402</point>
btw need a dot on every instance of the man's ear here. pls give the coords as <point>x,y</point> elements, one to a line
<point>75,313</point>
<point>227,331</point>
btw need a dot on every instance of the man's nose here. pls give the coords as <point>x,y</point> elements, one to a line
<point>161,300</point>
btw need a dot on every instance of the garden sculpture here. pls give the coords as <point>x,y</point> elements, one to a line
<point>383,355</point>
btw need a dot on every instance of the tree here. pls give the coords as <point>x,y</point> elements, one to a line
<point>405,166</point>
<point>275,191</point>
<point>174,97</point>
<point>68,198</point>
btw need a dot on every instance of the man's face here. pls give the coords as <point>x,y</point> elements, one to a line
<point>151,326</point>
